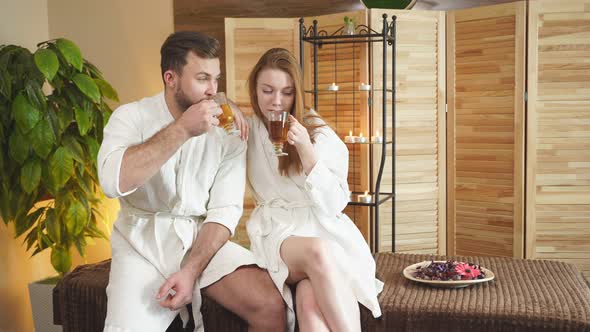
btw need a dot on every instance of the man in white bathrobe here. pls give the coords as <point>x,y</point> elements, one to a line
<point>180,180</point>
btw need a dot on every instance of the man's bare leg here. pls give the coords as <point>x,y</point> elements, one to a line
<point>250,293</point>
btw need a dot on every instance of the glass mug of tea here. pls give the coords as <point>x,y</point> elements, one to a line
<point>226,118</point>
<point>278,127</point>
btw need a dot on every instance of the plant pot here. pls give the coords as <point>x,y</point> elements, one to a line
<point>349,28</point>
<point>41,296</point>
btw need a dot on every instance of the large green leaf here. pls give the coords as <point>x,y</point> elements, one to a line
<point>42,138</point>
<point>47,62</point>
<point>47,181</point>
<point>70,52</point>
<point>35,94</point>
<point>87,86</point>
<point>45,242</point>
<point>25,114</point>
<point>30,175</point>
<point>65,114</point>
<point>83,182</point>
<point>52,224</point>
<point>61,167</point>
<point>18,147</point>
<point>54,122</point>
<point>93,147</point>
<point>74,147</point>
<point>106,89</point>
<point>61,259</point>
<point>82,119</point>
<point>76,217</point>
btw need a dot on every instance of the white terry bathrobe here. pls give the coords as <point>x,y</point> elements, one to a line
<point>202,182</point>
<point>311,206</point>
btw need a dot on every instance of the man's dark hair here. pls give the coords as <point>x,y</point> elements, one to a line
<point>176,47</point>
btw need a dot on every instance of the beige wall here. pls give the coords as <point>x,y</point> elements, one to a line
<point>123,39</point>
<point>23,22</point>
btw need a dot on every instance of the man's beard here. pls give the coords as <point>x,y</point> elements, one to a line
<point>182,100</point>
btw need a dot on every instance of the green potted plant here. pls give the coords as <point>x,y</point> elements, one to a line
<point>52,115</point>
<point>49,145</point>
<point>348,25</point>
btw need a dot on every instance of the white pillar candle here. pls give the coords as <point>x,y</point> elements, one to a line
<point>377,138</point>
<point>366,198</point>
<point>364,87</point>
<point>361,139</point>
<point>333,87</point>
<point>349,138</point>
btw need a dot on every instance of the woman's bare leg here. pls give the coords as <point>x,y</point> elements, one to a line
<point>309,257</point>
<point>309,315</point>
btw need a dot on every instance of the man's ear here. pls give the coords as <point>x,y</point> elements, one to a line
<point>170,78</point>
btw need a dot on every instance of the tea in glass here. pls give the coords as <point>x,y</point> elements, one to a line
<point>277,129</point>
<point>226,118</point>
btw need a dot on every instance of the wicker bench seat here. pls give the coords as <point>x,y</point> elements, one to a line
<point>527,295</point>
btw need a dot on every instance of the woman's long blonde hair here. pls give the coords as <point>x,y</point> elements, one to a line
<point>282,59</point>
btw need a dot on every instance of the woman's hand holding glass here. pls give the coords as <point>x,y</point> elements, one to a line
<point>299,137</point>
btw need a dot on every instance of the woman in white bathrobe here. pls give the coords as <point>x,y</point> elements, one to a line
<point>298,231</point>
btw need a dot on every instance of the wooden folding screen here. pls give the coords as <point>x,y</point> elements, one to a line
<point>558,132</point>
<point>420,131</point>
<point>485,86</point>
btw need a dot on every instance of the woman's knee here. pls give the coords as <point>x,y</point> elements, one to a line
<point>318,257</point>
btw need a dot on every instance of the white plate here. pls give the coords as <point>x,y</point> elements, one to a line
<point>410,270</point>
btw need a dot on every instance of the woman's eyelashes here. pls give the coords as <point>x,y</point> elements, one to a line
<point>270,92</point>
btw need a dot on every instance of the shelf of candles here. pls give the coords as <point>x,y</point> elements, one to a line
<point>376,139</point>
<point>369,142</point>
<point>368,199</point>
<point>329,89</point>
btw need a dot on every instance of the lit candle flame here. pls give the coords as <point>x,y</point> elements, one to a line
<point>350,133</point>
<point>361,134</point>
<point>366,193</point>
<point>377,134</point>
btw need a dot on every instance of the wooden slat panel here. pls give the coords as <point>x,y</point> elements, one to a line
<point>246,39</point>
<point>558,159</point>
<point>485,105</point>
<point>420,123</point>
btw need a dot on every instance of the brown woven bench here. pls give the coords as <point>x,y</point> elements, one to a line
<point>527,295</point>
